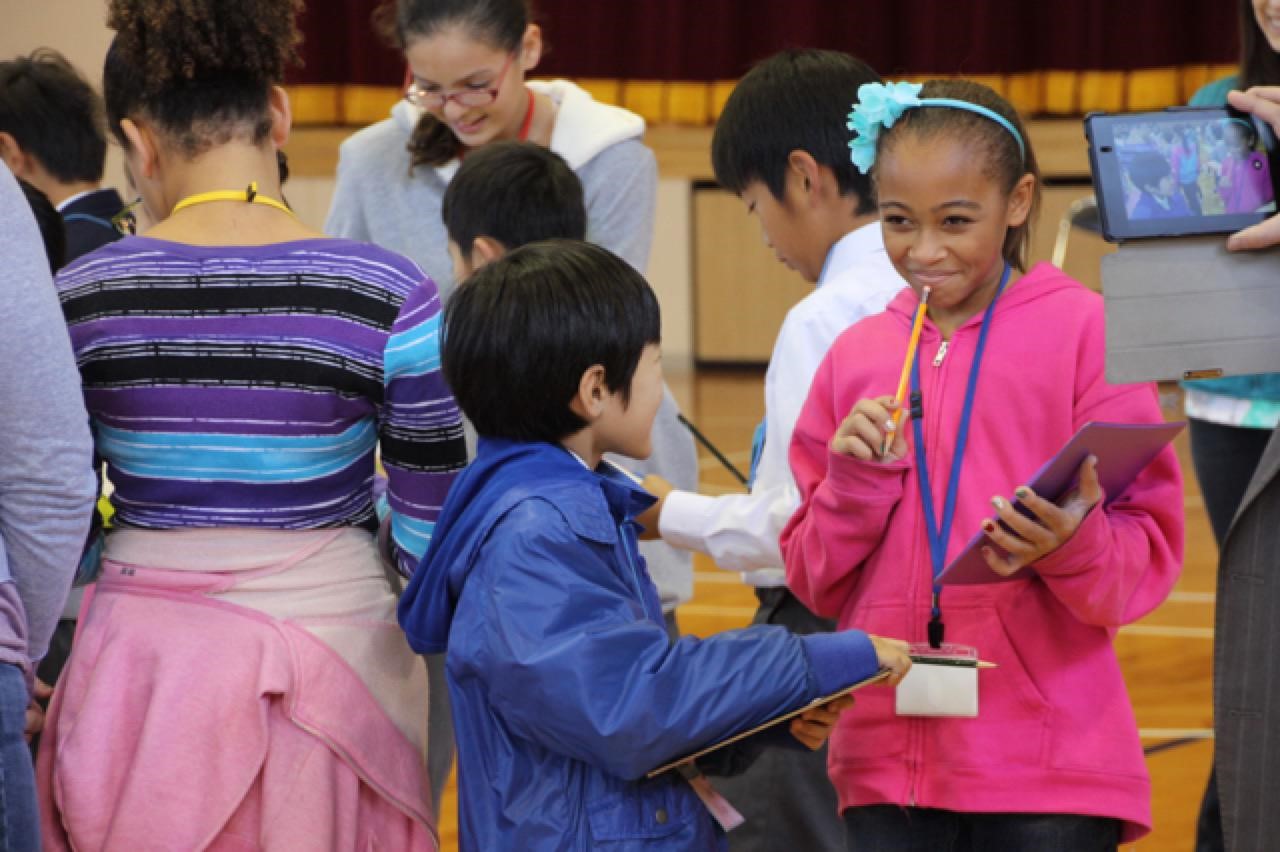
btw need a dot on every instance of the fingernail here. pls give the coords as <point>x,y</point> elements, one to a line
<point>998,502</point>
<point>988,526</point>
<point>1022,491</point>
<point>889,426</point>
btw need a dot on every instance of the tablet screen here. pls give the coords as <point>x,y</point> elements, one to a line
<point>1182,172</point>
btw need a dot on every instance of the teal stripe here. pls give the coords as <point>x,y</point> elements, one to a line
<point>414,351</point>
<point>265,459</point>
<point>411,534</point>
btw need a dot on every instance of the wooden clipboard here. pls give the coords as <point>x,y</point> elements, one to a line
<point>878,677</point>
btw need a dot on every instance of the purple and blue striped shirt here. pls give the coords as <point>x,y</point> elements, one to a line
<point>252,385</point>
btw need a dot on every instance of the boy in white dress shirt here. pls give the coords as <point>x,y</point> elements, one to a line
<point>782,147</point>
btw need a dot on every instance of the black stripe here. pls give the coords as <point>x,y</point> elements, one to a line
<point>433,451</point>
<point>251,365</point>
<point>290,294</point>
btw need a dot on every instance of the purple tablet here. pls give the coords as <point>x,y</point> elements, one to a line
<point>1123,450</point>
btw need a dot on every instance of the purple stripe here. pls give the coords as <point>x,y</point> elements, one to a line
<point>335,333</point>
<point>351,486</point>
<point>188,410</point>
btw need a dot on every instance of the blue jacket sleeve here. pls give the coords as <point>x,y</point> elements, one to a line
<point>554,627</point>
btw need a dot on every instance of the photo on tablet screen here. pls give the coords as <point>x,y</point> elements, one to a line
<point>1179,172</point>
<point>1193,169</point>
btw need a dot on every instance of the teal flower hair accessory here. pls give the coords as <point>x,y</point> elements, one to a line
<point>879,105</point>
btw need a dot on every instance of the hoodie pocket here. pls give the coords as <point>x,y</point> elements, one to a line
<point>1011,728</point>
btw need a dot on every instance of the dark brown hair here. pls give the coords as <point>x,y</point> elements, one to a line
<point>500,23</point>
<point>1001,158</point>
<point>1259,63</point>
<point>54,115</point>
<point>202,70</point>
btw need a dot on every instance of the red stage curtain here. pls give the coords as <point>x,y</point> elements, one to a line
<point>719,39</point>
<point>1006,42</point>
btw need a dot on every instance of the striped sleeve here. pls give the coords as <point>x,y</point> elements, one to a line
<point>420,427</point>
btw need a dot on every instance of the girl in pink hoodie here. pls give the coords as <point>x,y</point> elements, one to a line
<point>1010,365</point>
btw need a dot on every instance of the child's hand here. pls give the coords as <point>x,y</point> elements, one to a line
<point>660,488</point>
<point>812,727</point>
<point>1032,539</point>
<point>35,710</point>
<point>863,433</point>
<point>894,655</point>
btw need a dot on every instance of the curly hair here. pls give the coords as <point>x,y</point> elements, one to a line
<point>200,69</point>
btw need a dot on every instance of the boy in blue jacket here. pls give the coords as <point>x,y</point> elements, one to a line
<point>565,687</point>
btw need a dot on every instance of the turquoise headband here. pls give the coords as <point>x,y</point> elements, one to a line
<point>881,104</point>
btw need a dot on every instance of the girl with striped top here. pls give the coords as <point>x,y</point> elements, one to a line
<point>240,660</point>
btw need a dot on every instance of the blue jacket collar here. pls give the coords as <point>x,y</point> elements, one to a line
<point>593,503</point>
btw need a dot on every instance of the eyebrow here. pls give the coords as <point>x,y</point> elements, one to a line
<point>469,78</point>
<point>959,202</point>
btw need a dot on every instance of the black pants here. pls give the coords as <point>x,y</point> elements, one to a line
<point>1225,458</point>
<point>889,828</point>
<point>786,796</point>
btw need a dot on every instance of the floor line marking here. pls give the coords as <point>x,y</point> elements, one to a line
<point>1176,733</point>
<point>1167,631</point>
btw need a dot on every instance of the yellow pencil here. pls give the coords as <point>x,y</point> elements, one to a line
<point>905,378</point>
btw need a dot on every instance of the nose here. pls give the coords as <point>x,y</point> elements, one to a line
<point>926,248</point>
<point>452,110</point>
<point>764,232</point>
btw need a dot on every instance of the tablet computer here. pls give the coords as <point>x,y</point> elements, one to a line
<point>1186,170</point>
<point>879,677</point>
<point>1123,450</point>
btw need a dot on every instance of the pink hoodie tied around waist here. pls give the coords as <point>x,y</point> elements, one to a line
<point>1056,732</point>
<point>190,718</point>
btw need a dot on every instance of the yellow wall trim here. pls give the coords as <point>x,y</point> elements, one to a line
<point>1038,93</point>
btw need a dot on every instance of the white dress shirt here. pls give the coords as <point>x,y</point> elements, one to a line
<point>741,531</point>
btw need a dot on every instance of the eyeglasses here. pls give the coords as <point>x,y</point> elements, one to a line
<point>433,100</point>
<point>126,221</point>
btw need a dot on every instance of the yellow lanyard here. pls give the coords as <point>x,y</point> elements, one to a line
<point>248,194</point>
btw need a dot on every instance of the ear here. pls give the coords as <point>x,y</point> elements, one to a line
<point>804,169</point>
<point>1020,199</point>
<point>531,47</point>
<point>145,149</point>
<point>588,403</point>
<point>281,115</point>
<point>484,251</point>
<point>14,157</point>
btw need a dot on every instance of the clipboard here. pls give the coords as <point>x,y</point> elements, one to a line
<point>879,677</point>
<point>1123,451</point>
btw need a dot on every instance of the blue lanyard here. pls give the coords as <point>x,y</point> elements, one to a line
<point>939,535</point>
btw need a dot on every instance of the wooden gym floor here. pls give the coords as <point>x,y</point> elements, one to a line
<point>1167,657</point>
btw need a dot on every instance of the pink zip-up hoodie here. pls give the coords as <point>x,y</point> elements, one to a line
<point>1055,731</point>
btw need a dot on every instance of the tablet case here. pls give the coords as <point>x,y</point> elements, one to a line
<point>1187,308</point>
<point>1123,450</point>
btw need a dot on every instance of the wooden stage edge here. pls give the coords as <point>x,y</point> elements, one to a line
<point>685,152</point>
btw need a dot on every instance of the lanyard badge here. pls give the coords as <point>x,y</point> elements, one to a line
<point>940,534</point>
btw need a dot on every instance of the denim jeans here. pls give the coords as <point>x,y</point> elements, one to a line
<point>889,828</point>
<point>19,818</point>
